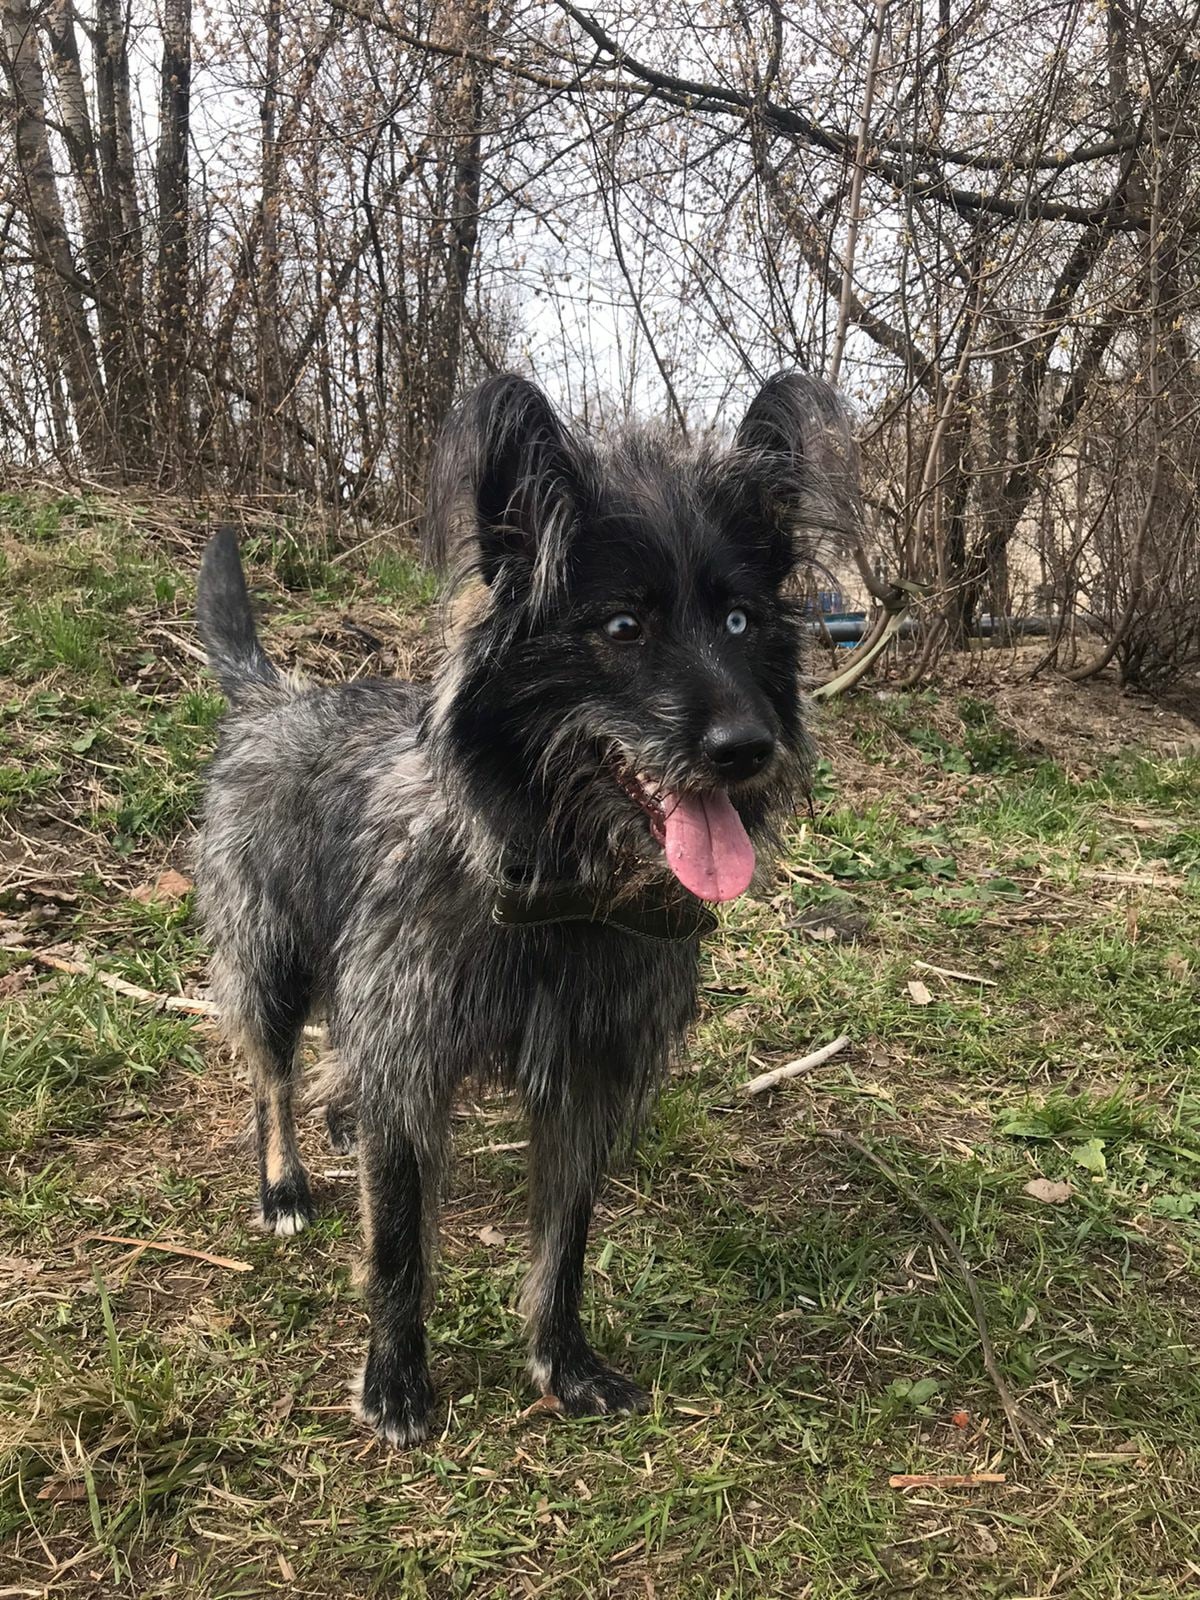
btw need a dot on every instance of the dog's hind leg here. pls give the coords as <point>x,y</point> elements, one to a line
<point>569,1149</point>
<point>284,1193</point>
<point>267,1023</point>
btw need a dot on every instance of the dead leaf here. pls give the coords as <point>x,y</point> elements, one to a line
<point>13,982</point>
<point>169,885</point>
<point>49,891</point>
<point>60,1492</point>
<point>688,1409</point>
<point>491,1236</point>
<point>961,1419</point>
<point>1048,1192</point>
<point>20,1269</point>
<point>547,1405</point>
<point>286,1570</point>
<point>918,993</point>
<point>983,1539</point>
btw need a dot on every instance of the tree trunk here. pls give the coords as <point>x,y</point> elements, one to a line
<point>270,383</point>
<point>171,366</point>
<point>461,115</point>
<point>123,225</point>
<point>66,309</point>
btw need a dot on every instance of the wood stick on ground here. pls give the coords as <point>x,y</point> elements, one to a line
<point>169,1249</point>
<point>132,991</point>
<point>943,1480</point>
<point>953,972</point>
<point>1017,1419</point>
<point>186,645</point>
<point>793,1069</point>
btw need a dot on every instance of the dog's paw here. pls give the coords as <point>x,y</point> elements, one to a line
<point>590,1390</point>
<point>397,1409</point>
<point>286,1208</point>
<point>286,1224</point>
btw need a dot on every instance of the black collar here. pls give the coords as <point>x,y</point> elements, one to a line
<point>657,913</point>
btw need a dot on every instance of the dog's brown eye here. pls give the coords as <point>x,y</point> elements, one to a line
<point>624,628</point>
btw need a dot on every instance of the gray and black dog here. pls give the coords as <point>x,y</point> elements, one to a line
<point>504,875</point>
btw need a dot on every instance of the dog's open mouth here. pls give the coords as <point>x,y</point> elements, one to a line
<point>702,836</point>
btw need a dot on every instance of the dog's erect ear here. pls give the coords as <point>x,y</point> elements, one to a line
<point>787,412</point>
<point>506,480</point>
<point>802,460</point>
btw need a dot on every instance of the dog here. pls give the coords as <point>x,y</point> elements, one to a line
<point>507,875</point>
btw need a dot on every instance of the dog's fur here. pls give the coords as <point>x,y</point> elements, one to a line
<point>353,835</point>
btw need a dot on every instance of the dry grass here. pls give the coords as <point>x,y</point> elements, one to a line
<point>177,1428</point>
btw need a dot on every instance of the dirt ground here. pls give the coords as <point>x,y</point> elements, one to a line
<point>834,1288</point>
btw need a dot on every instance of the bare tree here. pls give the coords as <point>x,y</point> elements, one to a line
<point>174,305</point>
<point>980,219</point>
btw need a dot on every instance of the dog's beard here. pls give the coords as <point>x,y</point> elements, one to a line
<point>630,809</point>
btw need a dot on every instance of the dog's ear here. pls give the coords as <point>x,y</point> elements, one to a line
<point>787,411</point>
<point>799,455</point>
<point>506,481</point>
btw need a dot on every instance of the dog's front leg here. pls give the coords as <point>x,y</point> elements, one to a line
<point>399,1183</point>
<point>565,1168</point>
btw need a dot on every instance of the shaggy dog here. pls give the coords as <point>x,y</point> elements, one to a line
<point>506,875</point>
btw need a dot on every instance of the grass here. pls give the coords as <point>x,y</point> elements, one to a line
<point>177,1427</point>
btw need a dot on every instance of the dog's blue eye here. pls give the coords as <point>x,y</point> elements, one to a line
<point>624,628</point>
<point>737,622</point>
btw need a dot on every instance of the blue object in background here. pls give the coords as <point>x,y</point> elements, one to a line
<point>828,602</point>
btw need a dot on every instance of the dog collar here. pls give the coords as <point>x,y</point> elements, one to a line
<point>656,914</point>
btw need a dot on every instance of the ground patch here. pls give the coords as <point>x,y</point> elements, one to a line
<point>177,1424</point>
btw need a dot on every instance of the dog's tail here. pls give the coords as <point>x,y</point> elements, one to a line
<point>227,623</point>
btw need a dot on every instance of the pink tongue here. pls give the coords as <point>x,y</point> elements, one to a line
<point>707,846</point>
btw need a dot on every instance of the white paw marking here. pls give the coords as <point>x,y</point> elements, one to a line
<point>285,1224</point>
<point>399,1435</point>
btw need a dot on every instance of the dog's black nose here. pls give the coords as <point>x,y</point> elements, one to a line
<point>738,749</point>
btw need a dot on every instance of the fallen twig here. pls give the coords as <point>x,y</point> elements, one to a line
<point>1016,1417</point>
<point>952,972</point>
<point>943,1480</point>
<point>500,1149</point>
<point>170,1250</point>
<point>132,991</point>
<point>793,1069</point>
<point>1139,880</point>
<point>186,645</point>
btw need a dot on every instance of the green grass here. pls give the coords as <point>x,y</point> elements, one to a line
<point>66,1060</point>
<point>177,1427</point>
<point>398,578</point>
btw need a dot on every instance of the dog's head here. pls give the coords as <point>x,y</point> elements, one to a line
<point>622,684</point>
